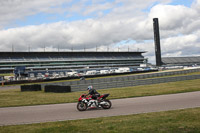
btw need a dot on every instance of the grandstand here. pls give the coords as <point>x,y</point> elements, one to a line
<point>181,61</point>
<point>68,60</point>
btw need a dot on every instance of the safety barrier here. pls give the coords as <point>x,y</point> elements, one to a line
<point>132,80</point>
<point>35,87</point>
<point>57,88</point>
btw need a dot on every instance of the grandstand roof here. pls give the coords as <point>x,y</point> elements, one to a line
<point>38,56</point>
<point>67,53</point>
<point>181,60</point>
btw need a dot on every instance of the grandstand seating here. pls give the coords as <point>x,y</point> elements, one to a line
<point>184,61</point>
<point>44,60</point>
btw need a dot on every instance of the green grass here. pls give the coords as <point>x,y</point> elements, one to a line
<point>6,74</point>
<point>16,98</point>
<point>179,121</point>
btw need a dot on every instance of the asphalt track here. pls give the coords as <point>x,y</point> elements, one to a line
<point>68,111</point>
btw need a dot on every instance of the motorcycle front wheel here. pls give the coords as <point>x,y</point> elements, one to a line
<point>81,106</point>
<point>107,104</point>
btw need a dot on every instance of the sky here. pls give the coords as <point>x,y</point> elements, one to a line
<point>100,25</point>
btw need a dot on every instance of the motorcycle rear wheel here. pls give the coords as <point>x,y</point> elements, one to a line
<point>107,105</point>
<point>81,106</point>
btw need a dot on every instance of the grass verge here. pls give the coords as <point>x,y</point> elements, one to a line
<point>10,98</point>
<point>178,121</point>
<point>6,74</point>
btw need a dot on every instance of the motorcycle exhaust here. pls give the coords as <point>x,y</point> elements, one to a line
<point>103,102</point>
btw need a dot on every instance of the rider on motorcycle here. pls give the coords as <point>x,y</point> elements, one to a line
<point>93,92</point>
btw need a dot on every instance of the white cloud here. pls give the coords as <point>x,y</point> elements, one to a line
<point>175,19</point>
<point>179,29</point>
<point>12,10</point>
<point>181,45</point>
<point>127,20</point>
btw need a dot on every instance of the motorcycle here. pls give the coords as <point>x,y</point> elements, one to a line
<point>87,102</point>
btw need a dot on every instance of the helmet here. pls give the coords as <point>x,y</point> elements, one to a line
<point>89,87</point>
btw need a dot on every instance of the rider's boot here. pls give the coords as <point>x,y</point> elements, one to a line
<point>98,103</point>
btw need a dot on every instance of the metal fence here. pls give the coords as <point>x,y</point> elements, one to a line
<point>133,80</point>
